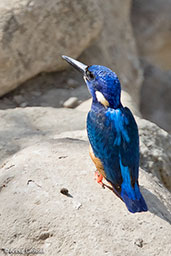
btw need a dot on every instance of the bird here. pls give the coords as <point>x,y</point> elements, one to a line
<point>113,135</point>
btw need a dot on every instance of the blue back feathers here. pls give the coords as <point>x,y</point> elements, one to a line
<point>113,135</point>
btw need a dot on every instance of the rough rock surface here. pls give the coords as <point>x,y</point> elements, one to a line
<point>155,151</point>
<point>116,48</point>
<point>90,220</point>
<point>33,34</point>
<point>151,22</point>
<point>156,96</point>
<point>66,27</point>
<point>23,127</point>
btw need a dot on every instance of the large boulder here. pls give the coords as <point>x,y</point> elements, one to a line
<point>34,34</point>
<point>44,150</point>
<point>89,220</point>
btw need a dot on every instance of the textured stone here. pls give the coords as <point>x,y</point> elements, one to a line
<point>34,35</point>
<point>71,102</point>
<point>23,127</point>
<point>116,48</point>
<point>156,96</point>
<point>151,22</point>
<point>34,214</point>
<point>155,151</point>
<point>44,150</point>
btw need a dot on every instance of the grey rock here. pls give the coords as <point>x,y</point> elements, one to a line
<point>22,127</point>
<point>34,35</point>
<point>155,151</point>
<point>24,104</point>
<point>19,99</point>
<point>156,96</point>
<point>151,22</point>
<point>43,150</point>
<point>116,47</point>
<point>35,214</point>
<point>72,102</point>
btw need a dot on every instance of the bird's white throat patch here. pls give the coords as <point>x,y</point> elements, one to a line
<point>100,97</point>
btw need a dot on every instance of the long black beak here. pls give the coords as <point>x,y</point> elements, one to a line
<point>76,64</point>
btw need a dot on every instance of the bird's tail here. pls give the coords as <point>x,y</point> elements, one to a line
<point>133,198</point>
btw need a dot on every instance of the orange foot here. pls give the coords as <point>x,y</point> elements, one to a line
<point>99,178</point>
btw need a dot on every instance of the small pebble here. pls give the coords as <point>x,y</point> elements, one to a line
<point>64,191</point>
<point>24,104</point>
<point>71,102</point>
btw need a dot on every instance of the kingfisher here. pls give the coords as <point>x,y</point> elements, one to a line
<point>113,135</point>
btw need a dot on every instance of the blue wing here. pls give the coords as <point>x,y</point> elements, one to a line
<point>113,135</point>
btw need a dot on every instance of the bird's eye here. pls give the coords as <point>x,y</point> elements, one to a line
<point>89,75</point>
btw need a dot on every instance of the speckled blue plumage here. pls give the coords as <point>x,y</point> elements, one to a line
<point>113,135</point>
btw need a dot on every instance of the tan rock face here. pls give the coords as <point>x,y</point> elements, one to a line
<point>34,34</point>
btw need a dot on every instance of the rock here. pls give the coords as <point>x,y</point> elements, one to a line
<point>116,48</point>
<point>23,127</point>
<point>156,96</point>
<point>61,27</point>
<point>43,150</point>
<point>37,215</point>
<point>19,99</point>
<point>24,104</point>
<point>72,102</point>
<point>155,149</point>
<point>151,22</point>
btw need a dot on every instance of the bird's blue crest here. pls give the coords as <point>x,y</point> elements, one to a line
<point>105,81</point>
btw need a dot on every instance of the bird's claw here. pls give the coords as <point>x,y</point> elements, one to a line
<point>99,178</point>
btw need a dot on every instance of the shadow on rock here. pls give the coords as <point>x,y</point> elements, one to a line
<point>155,205</point>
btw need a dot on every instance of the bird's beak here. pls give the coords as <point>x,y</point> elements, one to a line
<point>76,64</point>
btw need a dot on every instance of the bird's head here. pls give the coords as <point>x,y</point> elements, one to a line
<point>101,81</point>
